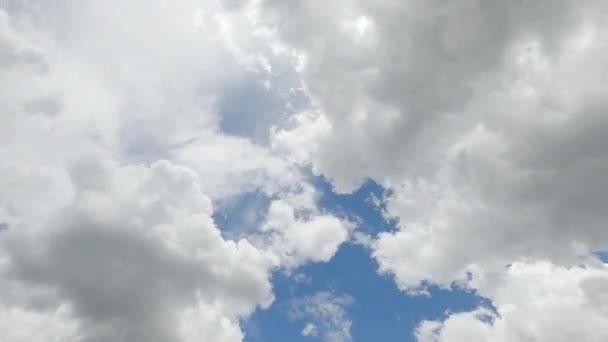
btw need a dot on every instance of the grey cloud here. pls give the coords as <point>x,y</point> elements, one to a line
<point>484,118</point>
<point>396,99</point>
<point>122,286</point>
<point>128,283</point>
<point>49,105</point>
<point>15,51</point>
<point>486,121</point>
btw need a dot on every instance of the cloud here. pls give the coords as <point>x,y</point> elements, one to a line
<point>22,325</point>
<point>112,156</point>
<point>529,172</point>
<point>309,330</point>
<point>327,315</point>
<point>394,93</point>
<point>535,302</point>
<point>299,233</point>
<point>484,120</point>
<point>131,257</point>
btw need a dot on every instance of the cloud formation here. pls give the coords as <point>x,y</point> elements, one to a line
<point>136,258</point>
<point>112,157</point>
<point>535,302</point>
<point>484,121</point>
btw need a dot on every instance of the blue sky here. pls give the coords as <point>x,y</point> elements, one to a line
<point>380,311</point>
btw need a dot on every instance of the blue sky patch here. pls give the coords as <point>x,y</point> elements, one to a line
<point>380,311</point>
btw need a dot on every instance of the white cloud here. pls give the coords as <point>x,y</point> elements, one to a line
<point>18,325</point>
<point>229,165</point>
<point>327,315</point>
<point>111,157</point>
<point>309,330</point>
<point>300,234</point>
<point>535,302</point>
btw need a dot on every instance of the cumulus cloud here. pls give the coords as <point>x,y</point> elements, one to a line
<point>484,120</point>
<point>112,157</point>
<point>299,234</point>
<point>535,302</point>
<point>533,170</point>
<point>395,99</point>
<point>135,251</point>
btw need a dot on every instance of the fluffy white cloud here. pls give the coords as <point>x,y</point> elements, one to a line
<point>535,302</point>
<point>300,234</point>
<point>111,157</point>
<point>230,165</point>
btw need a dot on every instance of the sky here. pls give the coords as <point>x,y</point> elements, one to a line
<point>303,170</point>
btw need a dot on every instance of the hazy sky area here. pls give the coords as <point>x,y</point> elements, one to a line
<point>303,170</point>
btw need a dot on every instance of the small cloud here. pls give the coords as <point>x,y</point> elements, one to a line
<point>301,278</point>
<point>327,316</point>
<point>362,239</point>
<point>309,330</point>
